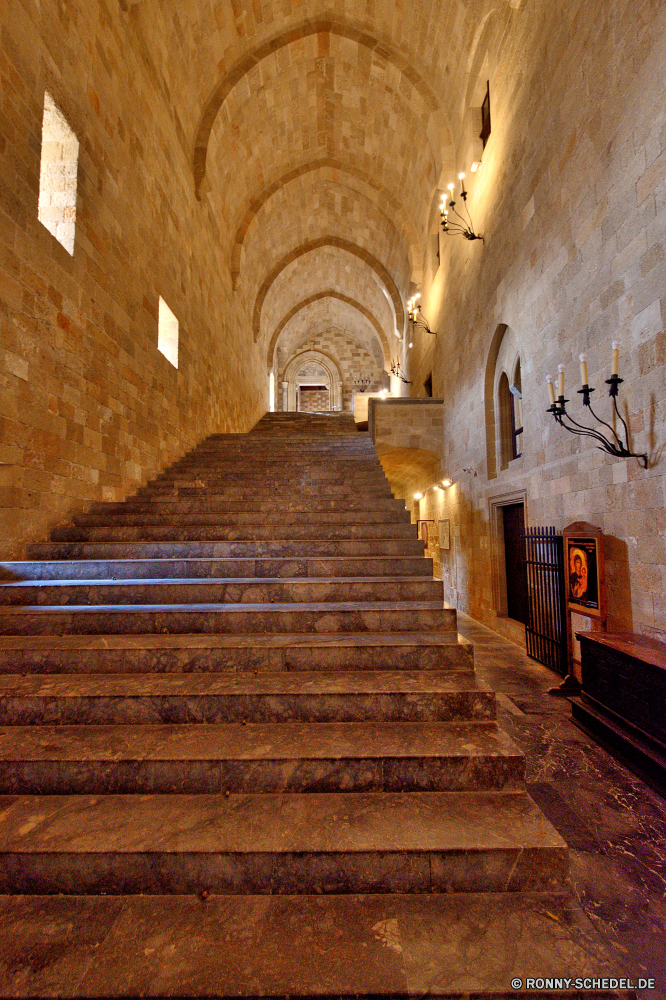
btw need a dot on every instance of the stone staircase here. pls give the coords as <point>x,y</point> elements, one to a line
<point>243,751</point>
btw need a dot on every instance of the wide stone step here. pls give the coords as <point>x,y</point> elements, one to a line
<point>375,616</point>
<point>283,519</point>
<point>258,758</point>
<point>383,946</point>
<point>263,493</point>
<point>340,696</point>
<point>161,569</point>
<point>246,532</point>
<point>166,654</point>
<point>206,505</point>
<point>249,590</point>
<point>329,843</point>
<point>244,548</point>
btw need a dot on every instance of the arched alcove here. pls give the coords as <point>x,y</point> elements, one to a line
<point>503,401</point>
<point>311,368</point>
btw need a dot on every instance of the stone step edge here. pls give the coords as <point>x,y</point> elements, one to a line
<point>275,640</point>
<point>304,684</point>
<point>327,607</point>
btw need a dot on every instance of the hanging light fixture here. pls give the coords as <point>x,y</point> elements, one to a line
<point>459,226</point>
<point>416,317</point>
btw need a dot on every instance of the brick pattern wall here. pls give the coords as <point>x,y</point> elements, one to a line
<point>88,406</point>
<point>571,199</point>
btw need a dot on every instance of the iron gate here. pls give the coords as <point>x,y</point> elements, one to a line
<point>544,586</point>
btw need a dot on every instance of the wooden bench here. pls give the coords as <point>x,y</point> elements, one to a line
<point>622,704</point>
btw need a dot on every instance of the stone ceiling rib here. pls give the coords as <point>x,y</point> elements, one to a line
<point>330,293</point>
<point>329,241</point>
<point>332,165</point>
<point>323,26</point>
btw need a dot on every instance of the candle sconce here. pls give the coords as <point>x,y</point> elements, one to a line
<point>395,370</point>
<point>460,226</point>
<point>613,443</point>
<point>416,317</point>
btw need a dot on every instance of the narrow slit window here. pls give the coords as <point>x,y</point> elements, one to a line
<point>57,175</point>
<point>484,135</point>
<point>167,334</point>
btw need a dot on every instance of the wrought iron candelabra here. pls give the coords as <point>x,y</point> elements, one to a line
<point>610,442</point>
<point>459,226</point>
<point>416,317</point>
<point>395,370</point>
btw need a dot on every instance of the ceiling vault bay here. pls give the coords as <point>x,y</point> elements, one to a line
<point>319,130</point>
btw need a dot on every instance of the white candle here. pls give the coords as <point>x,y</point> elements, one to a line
<point>551,389</point>
<point>616,357</point>
<point>560,379</point>
<point>583,369</point>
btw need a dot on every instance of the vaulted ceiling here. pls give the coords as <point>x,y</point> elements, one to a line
<point>319,138</point>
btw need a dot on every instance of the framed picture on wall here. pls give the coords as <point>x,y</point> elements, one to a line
<point>445,533</point>
<point>423,530</point>
<point>583,573</point>
<point>584,569</point>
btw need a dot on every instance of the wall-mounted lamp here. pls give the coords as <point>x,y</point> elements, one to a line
<point>446,483</point>
<point>451,227</point>
<point>418,496</point>
<point>470,472</point>
<point>395,370</point>
<point>614,444</point>
<point>416,317</point>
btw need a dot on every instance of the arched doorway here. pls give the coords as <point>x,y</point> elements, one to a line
<point>312,383</point>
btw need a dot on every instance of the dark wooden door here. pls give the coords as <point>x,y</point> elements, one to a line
<point>514,530</point>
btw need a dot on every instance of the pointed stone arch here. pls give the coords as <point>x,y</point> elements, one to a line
<point>330,293</point>
<point>340,244</point>
<point>388,200</point>
<point>300,31</point>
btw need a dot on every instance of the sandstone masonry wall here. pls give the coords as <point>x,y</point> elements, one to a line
<point>571,200</point>
<point>89,408</point>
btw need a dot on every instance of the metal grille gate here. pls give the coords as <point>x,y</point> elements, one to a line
<point>544,587</point>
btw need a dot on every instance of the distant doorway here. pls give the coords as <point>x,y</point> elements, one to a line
<point>313,398</point>
<point>513,516</point>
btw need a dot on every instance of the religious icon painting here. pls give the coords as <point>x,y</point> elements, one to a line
<point>583,574</point>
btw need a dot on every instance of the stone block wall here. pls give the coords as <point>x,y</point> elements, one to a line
<point>571,200</point>
<point>89,408</point>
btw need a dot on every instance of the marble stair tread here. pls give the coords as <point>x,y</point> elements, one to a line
<point>245,532</point>
<point>200,567</point>
<point>250,548</point>
<point>257,741</point>
<point>217,590</point>
<point>235,652</point>
<point>338,682</point>
<point>284,518</point>
<point>342,696</point>
<point>258,757</point>
<point>452,946</point>
<point>355,616</point>
<point>275,640</point>
<point>279,823</point>
<point>206,504</point>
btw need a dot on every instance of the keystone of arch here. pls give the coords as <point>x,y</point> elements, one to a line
<point>303,30</point>
<point>330,293</point>
<point>388,200</point>
<point>328,241</point>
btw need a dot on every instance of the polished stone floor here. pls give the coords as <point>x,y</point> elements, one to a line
<point>614,824</point>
